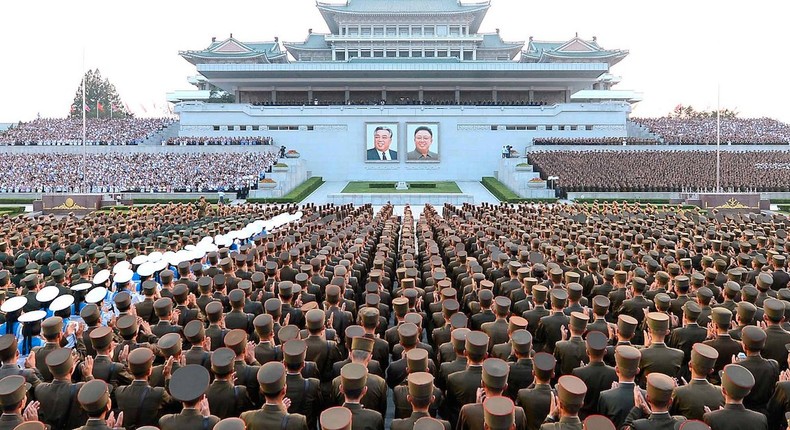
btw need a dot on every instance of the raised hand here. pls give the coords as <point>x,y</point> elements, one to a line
<point>114,422</point>
<point>30,361</point>
<point>287,403</point>
<point>249,352</point>
<point>124,354</point>
<point>564,332</point>
<point>203,407</point>
<point>87,366</point>
<point>31,411</point>
<point>167,370</point>
<point>287,320</point>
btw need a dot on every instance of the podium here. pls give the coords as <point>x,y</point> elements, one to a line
<point>65,203</point>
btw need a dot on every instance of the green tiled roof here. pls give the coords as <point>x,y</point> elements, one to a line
<point>404,6</point>
<point>494,41</point>
<point>314,41</point>
<point>442,60</point>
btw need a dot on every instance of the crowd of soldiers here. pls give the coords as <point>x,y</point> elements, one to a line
<point>68,131</point>
<point>507,317</point>
<point>664,171</point>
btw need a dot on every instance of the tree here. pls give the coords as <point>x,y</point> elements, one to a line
<point>100,97</point>
<point>221,96</point>
<point>681,111</point>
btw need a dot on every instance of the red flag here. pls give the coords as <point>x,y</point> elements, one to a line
<point>87,108</point>
<point>99,106</point>
<point>73,108</point>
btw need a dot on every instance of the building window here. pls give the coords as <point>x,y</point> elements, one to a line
<point>468,56</point>
<point>456,54</point>
<point>378,31</point>
<point>254,128</point>
<point>340,55</point>
<point>416,54</point>
<point>378,54</point>
<point>353,54</point>
<point>392,54</point>
<point>416,31</point>
<point>442,53</point>
<point>403,30</point>
<point>366,31</point>
<point>430,53</point>
<point>455,31</point>
<point>365,53</point>
<point>216,128</point>
<point>392,31</point>
<point>403,53</point>
<point>353,31</point>
<point>429,30</point>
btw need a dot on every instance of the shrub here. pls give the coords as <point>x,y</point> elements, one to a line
<point>297,194</point>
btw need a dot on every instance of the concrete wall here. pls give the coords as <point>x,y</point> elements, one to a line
<point>331,139</point>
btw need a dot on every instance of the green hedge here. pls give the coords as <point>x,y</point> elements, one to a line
<point>11,210</point>
<point>773,201</point>
<point>166,199</point>
<point>381,185</point>
<point>422,185</point>
<point>15,201</point>
<point>297,194</point>
<point>505,194</point>
<point>784,208</point>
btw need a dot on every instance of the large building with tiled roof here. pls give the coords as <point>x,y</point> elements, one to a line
<point>407,60</point>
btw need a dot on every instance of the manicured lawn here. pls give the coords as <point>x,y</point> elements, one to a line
<point>418,187</point>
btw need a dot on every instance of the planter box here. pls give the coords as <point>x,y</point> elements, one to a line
<point>267,185</point>
<point>539,184</point>
<point>523,168</point>
<point>297,155</point>
<point>279,169</point>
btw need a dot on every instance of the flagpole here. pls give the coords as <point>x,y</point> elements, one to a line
<point>718,138</point>
<point>84,116</point>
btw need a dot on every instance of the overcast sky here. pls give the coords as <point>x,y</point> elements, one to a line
<point>679,50</point>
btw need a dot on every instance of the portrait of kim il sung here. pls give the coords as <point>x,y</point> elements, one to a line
<point>381,142</point>
<point>422,142</point>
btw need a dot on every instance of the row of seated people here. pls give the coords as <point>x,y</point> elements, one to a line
<point>98,131</point>
<point>404,101</point>
<point>663,171</point>
<point>206,141</point>
<point>594,141</point>
<point>703,131</point>
<point>132,171</point>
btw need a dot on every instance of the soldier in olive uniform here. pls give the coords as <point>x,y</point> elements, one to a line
<point>736,383</point>
<point>305,393</point>
<point>337,418</point>
<point>765,371</point>
<point>536,400</point>
<point>521,369</point>
<point>94,398</point>
<point>723,343</point>
<point>353,385</point>
<point>273,414</point>
<point>420,397</point>
<point>462,386</point>
<point>658,357</point>
<point>416,361</point>
<point>494,379</point>
<point>226,399</point>
<point>565,416</point>
<point>103,367</point>
<point>597,376</point>
<point>13,390</point>
<point>141,403</point>
<point>572,353</point>
<point>691,400</point>
<point>62,410</point>
<point>653,413</point>
<point>188,385</point>
<point>195,334</point>
<point>617,402</point>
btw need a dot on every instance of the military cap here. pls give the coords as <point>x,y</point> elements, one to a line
<point>521,341</point>
<point>90,314</point>
<point>571,390</point>
<point>578,321</point>
<point>779,259</point>
<point>231,423</point>
<point>721,316</point>
<point>600,304</point>
<point>458,338</point>
<point>189,383</point>
<point>353,331</point>
<point>620,275</point>
<point>52,326</point>
<point>101,337</point>
<point>417,360</point>
<point>420,384</point>
<point>194,331</point>
<point>774,309</point>
<point>362,343</point>
<point>315,319</point>
<point>271,378</point>
<point>597,422</point>
<point>749,293</point>
<point>659,387</point>
<point>596,341</point>
<point>626,325</point>
<point>495,373</point>
<point>140,360</point>
<point>732,287</point>
<point>753,338</point>
<point>370,316</point>
<point>449,307</point>
<point>223,361</point>
<point>170,344</point>
<point>181,292</point>
<point>166,276</point>
<point>408,334</point>
<point>264,324</point>
<point>658,321</point>
<point>336,418</point>
<point>353,376</point>
<point>7,343</point>
<point>458,320</point>
<point>123,300</point>
<point>558,297</point>
<point>693,425</point>
<point>627,358</point>
<point>272,306</point>
<point>94,395</point>
<point>540,293</point>
<point>544,362</point>
<point>704,356</point>
<point>746,311</point>
<point>236,297</point>
<point>288,332</point>
<point>236,340</point>
<point>163,307</point>
<point>59,361</point>
<point>764,280</point>
<point>294,351</point>
<point>737,381</point>
<point>38,425</point>
<point>499,413</point>
<point>476,343</point>
<point>127,325</point>
<point>691,310</point>
<point>12,390</point>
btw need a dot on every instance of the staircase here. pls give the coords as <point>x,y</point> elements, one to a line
<point>163,134</point>
<point>640,131</point>
<point>518,175</point>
